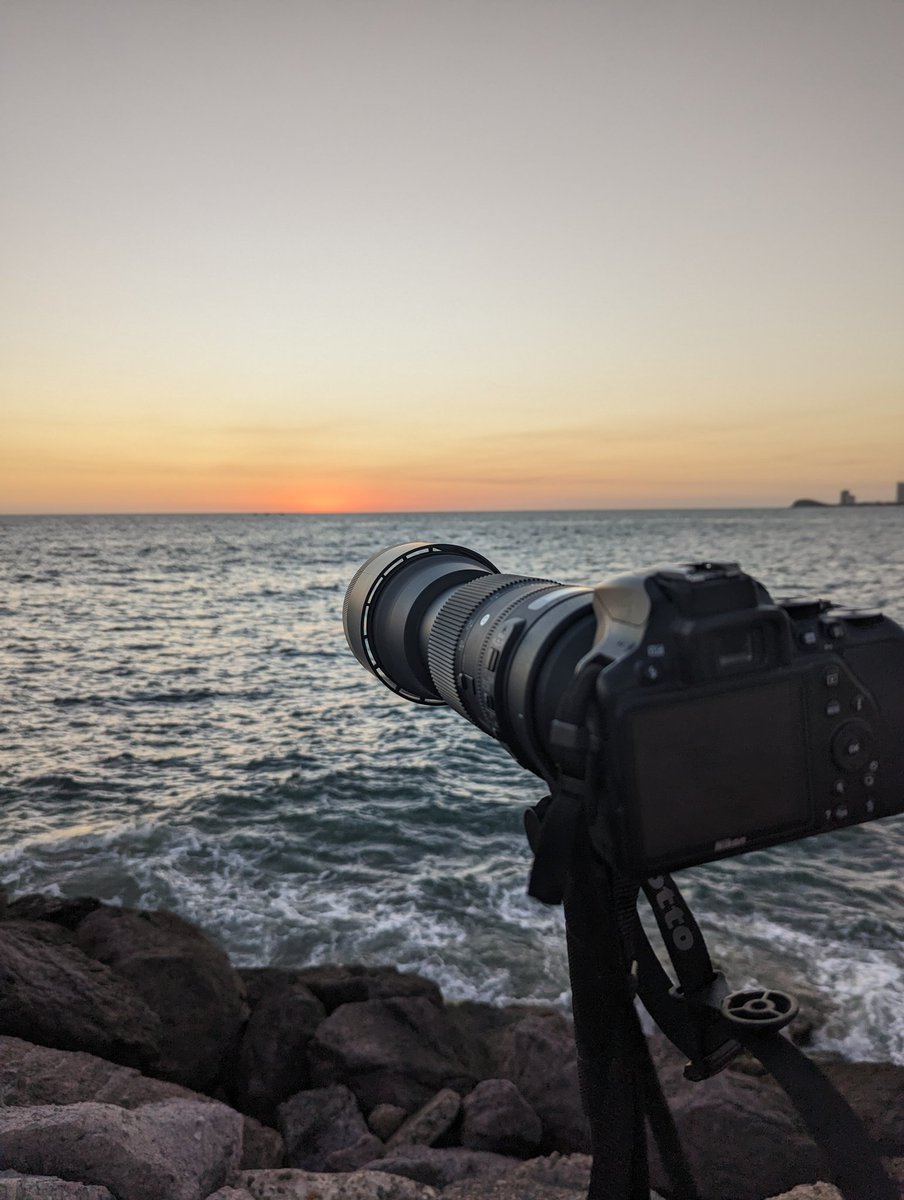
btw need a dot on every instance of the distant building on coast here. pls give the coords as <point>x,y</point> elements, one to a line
<point>847,499</point>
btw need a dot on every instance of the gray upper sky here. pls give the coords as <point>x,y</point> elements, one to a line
<point>574,246</point>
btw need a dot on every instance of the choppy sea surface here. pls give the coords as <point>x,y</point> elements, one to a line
<point>182,726</point>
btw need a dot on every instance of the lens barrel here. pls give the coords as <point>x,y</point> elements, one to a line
<point>390,607</point>
<point>439,624</point>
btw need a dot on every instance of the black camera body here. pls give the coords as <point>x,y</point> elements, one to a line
<point>728,723</point>
<point>723,722</point>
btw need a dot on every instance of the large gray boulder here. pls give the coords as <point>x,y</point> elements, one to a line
<point>272,1060</point>
<point>38,1075</point>
<point>554,1178</point>
<point>498,1118</point>
<point>184,977</point>
<point>537,1054</point>
<point>875,1091</point>
<point>385,1119</point>
<point>399,1051</point>
<point>740,1134</point>
<point>14,1186</point>
<point>178,1149</point>
<point>319,1123</point>
<point>53,993</point>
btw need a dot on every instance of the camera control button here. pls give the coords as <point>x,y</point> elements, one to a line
<point>852,746</point>
<point>809,638</point>
<point>871,805</point>
<point>857,702</point>
<point>833,708</point>
<point>832,677</point>
<point>873,765</point>
<point>839,787</point>
<point>869,780</point>
<point>841,812</point>
<point>833,629</point>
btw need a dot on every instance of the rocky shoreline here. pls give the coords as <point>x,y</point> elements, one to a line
<point>136,1063</point>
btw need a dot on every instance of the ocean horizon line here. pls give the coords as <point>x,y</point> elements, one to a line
<point>394,512</point>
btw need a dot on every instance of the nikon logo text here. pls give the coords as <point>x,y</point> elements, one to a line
<point>673,914</point>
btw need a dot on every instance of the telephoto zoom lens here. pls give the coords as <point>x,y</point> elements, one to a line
<point>439,624</point>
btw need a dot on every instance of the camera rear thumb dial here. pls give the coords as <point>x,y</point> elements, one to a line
<point>853,745</point>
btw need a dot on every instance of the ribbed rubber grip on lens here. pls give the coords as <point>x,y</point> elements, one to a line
<point>447,629</point>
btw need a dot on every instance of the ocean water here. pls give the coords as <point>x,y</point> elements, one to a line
<point>182,726</point>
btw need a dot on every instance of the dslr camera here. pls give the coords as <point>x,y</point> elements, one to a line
<point>721,721</point>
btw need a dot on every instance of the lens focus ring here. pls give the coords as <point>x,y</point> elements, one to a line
<point>446,634</point>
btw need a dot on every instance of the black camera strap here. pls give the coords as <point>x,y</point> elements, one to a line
<point>724,1022</point>
<point>611,960</point>
<point>620,1088</point>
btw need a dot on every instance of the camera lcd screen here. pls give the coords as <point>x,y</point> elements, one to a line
<point>719,768</point>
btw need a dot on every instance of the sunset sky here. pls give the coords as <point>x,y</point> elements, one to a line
<point>323,255</point>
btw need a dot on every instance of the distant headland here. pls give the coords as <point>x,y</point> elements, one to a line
<point>849,500</point>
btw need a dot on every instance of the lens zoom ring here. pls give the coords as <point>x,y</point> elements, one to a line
<point>447,630</point>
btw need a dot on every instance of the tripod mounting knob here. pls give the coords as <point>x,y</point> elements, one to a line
<point>760,1008</point>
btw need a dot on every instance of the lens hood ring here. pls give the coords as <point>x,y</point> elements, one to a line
<point>363,594</point>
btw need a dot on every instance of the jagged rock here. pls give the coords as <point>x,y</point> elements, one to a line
<point>230,1193</point>
<point>498,1118</point>
<point>178,1149</point>
<point>385,1119</point>
<point>262,1147</point>
<point>65,911</point>
<point>14,1186</point>
<point>51,992</point>
<point>184,977</point>
<point>741,1138</point>
<point>557,1170</point>
<point>744,1140</point>
<point>272,1061</point>
<point>397,1051</point>
<point>34,1075</point>
<point>439,1168</point>
<point>337,985</point>
<point>317,1123</point>
<point>875,1091</point>
<point>430,1122</point>
<point>552,1178</point>
<point>310,1185</point>
<point>537,1053</point>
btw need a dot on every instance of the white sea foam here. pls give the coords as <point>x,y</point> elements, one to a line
<point>861,988</point>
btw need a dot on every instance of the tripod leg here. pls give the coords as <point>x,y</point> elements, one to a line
<point>606,1028</point>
